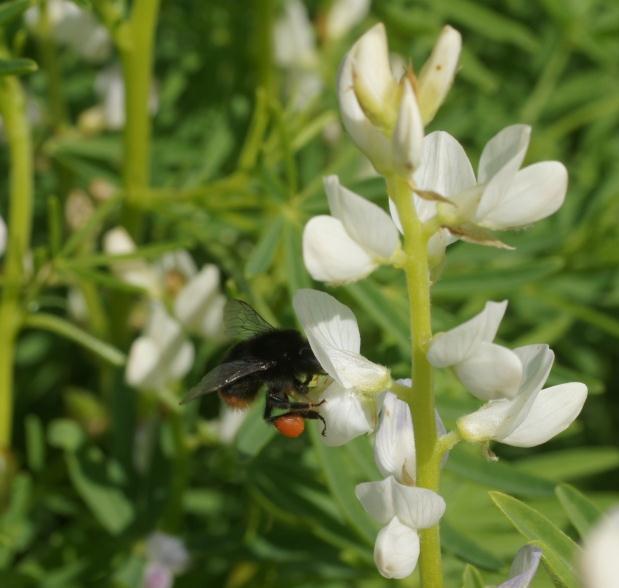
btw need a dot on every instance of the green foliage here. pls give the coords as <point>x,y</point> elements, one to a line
<point>236,173</point>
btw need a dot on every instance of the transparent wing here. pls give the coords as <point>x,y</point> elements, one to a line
<point>241,321</point>
<point>224,374</point>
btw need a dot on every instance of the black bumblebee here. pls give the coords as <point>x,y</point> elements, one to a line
<point>281,359</point>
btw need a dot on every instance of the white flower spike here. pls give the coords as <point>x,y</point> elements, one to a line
<point>487,370</point>
<point>332,332</point>
<point>599,564</point>
<point>160,356</point>
<point>351,243</point>
<point>524,568</point>
<point>402,510</point>
<point>503,196</point>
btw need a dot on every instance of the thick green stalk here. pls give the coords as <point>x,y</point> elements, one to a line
<point>421,399</point>
<point>13,108</point>
<point>136,48</point>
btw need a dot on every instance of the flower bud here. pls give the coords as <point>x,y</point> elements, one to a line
<point>408,132</point>
<point>396,550</point>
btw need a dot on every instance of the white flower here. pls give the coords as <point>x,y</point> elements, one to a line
<point>523,568</point>
<point>370,98</point>
<point>333,334</point>
<point>110,87</point>
<point>133,271</point>
<point>502,197</point>
<point>599,563</point>
<point>402,510</point>
<point>199,306</point>
<point>343,15</point>
<point>73,27</point>
<point>167,557</point>
<point>294,50</point>
<point>3,233</point>
<point>161,355</point>
<point>351,243</point>
<point>486,369</point>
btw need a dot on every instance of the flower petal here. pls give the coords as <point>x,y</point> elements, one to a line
<point>452,347</point>
<point>344,15</point>
<point>599,562</point>
<point>419,508</point>
<point>553,411</point>
<point>181,361</point>
<point>396,550</point>
<point>444,167</point>
<point>195,299</point>
<point>142,363</point>
<point>331,255</point>
<point>168,551</point>
<point>483,424</point>
<point>345,414</point>
<point>506,148</point>
<point>355,371</point>
<point>394,445</point>
<point>365,222</point>
<point>293,37</point>
<point>491,371</point>
<point>377,499</point>
<point>2,236</point>
<point>438,72</point>
<point>535,192</point>
<point>408,133</point>
<point>523,568</point>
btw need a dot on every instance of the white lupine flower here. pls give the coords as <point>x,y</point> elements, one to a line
<point>351,243</point>
<point>502,197</point>
<point>333,334</point>
<point>599,565</point>
<point>486,369</point>
<point>524,568</point>
<point>167,557</point>
<point>133,271</point>
<point>343,15</point>
<point>402,510</point>
<point>110,87</point>
<point>161,355</point>
<point>3,233</point>
<point>294,50</point>
<point>534,415</point>
<point>200,304</point>
<point>370,96</point>
<point>73,27</point>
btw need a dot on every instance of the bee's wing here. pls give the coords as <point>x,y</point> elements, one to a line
<point>225,374</point>
<point>241,321</point>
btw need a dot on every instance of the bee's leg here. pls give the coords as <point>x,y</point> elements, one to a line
<point>306,414</point>
<point>284,403</point>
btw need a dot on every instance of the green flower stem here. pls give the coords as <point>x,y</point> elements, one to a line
<point>135,43</point>
<point>13,109</point>
<point>421,396</point>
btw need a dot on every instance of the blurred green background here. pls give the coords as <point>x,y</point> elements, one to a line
<point>236,171</point>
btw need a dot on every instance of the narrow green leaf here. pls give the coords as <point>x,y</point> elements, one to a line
<point>295,271</point>
<point>583,514</point>
<point>467,549</point>
<point>335,463</point>
<point>559,551</point>
<point>17,67</point>
<point>60,326</point>
<point>570,464</point>
<point>11,10</point>
<point>88,472</point>
<point>65,434</point>
<point>255,433</point>
<point>35,443</point>
<point>472,578</point>
<point>262,256</point>
<point>500,475</point>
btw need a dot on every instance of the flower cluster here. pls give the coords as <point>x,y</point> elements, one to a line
<point>183,300</point>
<point>434,194</point>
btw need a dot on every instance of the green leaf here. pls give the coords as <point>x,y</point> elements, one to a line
<point>570,464</point>
<point>65,434</point>
<point>90,476</point>
<point>295,271</point>
<point>35,442</point>
<point>465,548</point>
<point>583,514</point>
<point>559,551</point>
<point>262,256</point>
<point>255,433</point>
<point>11,10</point>
<point>472,578</point>
<point>17,67</point>
<point>500,475</point>
<point>335,463</point>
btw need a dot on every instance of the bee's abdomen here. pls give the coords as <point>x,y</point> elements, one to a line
<point>241,393</point>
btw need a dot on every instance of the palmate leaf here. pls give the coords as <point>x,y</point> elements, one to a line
<point>559,551</point>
